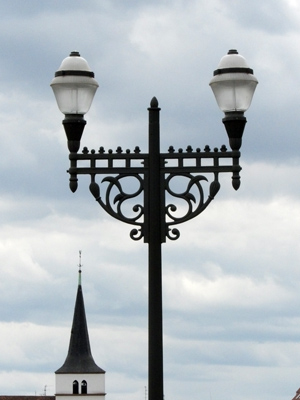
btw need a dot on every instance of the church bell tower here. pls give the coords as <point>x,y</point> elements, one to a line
<point>80,375</point>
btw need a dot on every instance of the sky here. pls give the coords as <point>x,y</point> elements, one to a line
<point>231,295</point>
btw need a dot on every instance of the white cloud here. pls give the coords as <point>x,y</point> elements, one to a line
<point>231,281</point>
<point>194,292</point>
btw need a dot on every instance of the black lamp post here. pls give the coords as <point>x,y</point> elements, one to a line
<point>154,219</point>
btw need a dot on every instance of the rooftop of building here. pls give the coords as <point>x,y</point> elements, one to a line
<point>27,397</point>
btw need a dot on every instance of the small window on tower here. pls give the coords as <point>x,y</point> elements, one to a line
<point>75,387</point>
<point>83,387</point>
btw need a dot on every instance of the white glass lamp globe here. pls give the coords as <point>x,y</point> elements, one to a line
<point>74,85</point>
<point>233,83</point>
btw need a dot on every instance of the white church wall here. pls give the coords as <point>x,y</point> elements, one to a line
<point>95,383</point>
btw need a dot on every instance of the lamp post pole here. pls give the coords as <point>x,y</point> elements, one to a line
<point>154,218</point>
<point>154,222</point>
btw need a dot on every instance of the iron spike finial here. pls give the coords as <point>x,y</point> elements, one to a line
<point>154,103</point>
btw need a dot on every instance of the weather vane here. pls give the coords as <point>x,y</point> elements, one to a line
<point>79,265</point>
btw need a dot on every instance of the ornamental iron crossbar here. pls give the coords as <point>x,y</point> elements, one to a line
<point>162,169</point>
<point>153,215</point>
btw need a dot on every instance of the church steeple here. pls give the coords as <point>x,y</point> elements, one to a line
<point>79,362</point>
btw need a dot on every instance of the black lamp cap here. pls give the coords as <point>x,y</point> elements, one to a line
<point>74,54</point>
<point>233,51</point>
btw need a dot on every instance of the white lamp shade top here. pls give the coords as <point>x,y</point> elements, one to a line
<point>233,83</point>
<point>74,85</point>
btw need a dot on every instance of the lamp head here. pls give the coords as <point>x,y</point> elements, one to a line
<point>74,87</point>
<point>233,85</point>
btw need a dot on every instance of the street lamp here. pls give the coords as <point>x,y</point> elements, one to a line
<point>154,218</point>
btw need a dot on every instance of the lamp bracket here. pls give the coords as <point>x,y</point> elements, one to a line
<point>126,184</point>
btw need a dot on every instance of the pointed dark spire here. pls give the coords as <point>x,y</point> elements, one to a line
<point>79,358</point>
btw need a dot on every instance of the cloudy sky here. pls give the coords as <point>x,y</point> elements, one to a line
<point>231,282</point>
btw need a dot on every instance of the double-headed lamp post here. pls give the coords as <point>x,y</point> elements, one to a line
<point>153,217</point>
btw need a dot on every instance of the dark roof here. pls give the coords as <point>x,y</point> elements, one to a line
<point>79,358</point>
<point>27,397</point>
<point>296,397</point>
